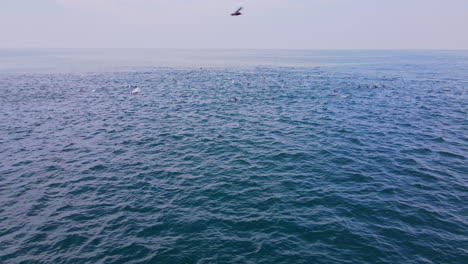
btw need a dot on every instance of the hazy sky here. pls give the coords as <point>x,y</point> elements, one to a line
<point>303,24</point>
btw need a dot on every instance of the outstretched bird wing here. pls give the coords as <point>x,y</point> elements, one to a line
<point>238,10</point>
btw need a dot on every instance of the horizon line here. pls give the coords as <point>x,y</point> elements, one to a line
<point>162,48</point>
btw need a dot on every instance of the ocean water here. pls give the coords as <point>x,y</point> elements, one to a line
<point>323,157</point>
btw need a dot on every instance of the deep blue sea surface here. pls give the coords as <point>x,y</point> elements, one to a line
<point>322,157</point>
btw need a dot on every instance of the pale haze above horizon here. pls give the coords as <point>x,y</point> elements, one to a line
<point>265,24</point>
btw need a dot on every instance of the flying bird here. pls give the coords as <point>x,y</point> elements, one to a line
<point>237,13</point>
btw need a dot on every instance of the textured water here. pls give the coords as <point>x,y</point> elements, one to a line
<point>326,157</point>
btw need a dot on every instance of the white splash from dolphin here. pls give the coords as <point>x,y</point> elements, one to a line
<point>136,90</point>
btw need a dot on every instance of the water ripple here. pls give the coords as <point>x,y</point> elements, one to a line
<point>321,165</point>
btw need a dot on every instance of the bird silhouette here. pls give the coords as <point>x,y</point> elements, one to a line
<point>237,13</point>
